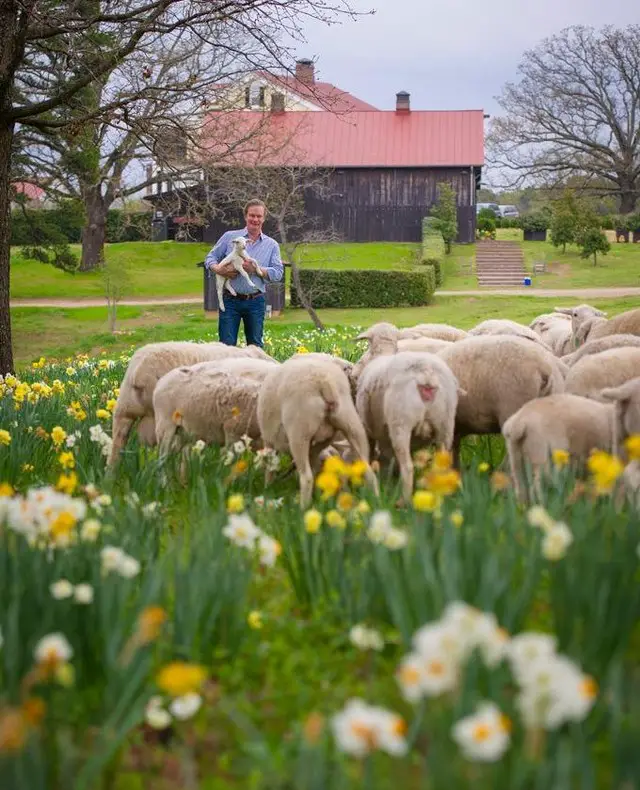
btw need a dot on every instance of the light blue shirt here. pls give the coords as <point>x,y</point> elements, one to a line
<point>264,249</point>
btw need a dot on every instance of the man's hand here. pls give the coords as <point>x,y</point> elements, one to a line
<point>226,270</point>
<point>250,265</point>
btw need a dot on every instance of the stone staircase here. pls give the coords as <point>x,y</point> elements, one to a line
<point>499,264</point>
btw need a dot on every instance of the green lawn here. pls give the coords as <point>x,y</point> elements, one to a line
<point>59,333</point>
<point>619,268</point>
<point>169,268</point>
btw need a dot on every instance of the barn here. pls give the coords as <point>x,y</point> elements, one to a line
<point>383,166</point>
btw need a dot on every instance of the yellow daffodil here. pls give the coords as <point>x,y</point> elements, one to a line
<point>328,483</point>
<point>235,503</point>
<point>6,489</point>
<point>255,620</point>
<point>605,470</point>
<point>334,465</point>
<point>632,446</point>
<point>5,437</point>
<point>483,467</point>
<point>66,460</point>
<point>312,521</point>
<point>456,518</point>
<point>560,458</point>
<point>442,460</point>
<point>58,435</point>
<point>345,501</point>
<point>67,483</point>
<point>103,414</point>
<point>179,678</point>
<point>335,519</point>
<point>425,501</point>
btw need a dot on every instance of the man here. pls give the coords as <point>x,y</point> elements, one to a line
<point>249,304</point>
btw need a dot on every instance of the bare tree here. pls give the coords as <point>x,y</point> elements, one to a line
<point>575,112</point>
<point>104,35</point>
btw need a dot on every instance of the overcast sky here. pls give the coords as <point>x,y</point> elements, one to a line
<point>451,54</point>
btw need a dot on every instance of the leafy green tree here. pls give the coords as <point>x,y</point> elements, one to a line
<point>445,212</point>
<point>592,240</point>
<point>565,220</point>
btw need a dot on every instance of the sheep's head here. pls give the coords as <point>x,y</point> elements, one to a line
<point>381,337</point>
<point>239,245</point>
<point>580,314</point>
<point>626,401</point>
<point>581,334</point>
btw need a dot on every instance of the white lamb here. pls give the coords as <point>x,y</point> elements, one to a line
<point>146,367</point>
<point>303,406</point>
<point>596,372</point>
<point>407,401</point>
<point>236,258</point>
<point>558,422</point>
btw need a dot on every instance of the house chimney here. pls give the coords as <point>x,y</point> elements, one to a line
<point>305,71</point>
<point>277,102</point>
<point>403,103</point>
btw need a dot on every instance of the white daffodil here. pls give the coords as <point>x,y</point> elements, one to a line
<point>155,715</point>
<point>395,539</point>
<point>379,526</point>
<point>241,530</point>
<point>526,648</point>
<point>366,638</point>
<point>360,729</point>
<point>53,649</point>
<point>269,550</point>
<point>128,567</point>
<point>556,542</point>
<point>186,706</point>
<point>61,589</point>
<point>483,736</point>
<point>83,593</point>
<point>537,516</point>
<point>110,558</point>
<point>410,677</point>
<point>90,530</point>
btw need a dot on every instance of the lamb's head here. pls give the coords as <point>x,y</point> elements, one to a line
<point>239,245</point>
<point>626,401</point>
<point>581,334</point>
<point>580,314</point>
<point>382,338</point>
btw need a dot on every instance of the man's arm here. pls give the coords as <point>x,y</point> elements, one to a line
<point>275,269</point>
<point>217,253</point>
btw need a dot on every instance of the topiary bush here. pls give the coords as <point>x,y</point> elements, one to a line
<point>366,288</point>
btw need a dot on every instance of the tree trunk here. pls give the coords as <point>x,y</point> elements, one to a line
<point>6,351</point>
<point>295,276</point>
<point>94,232</point>
<point>628,199</point>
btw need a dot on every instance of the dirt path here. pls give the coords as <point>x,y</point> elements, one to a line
<point>577,293</point>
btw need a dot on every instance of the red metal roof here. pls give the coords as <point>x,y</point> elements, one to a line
<point>31,191</point>
<point>378,138</point>
<point>322,94</point>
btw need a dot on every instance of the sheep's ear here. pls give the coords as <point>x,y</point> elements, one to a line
<point>601,312</point>
<point>619,394</point>
<point>363,336</point>
<point>563,310</point>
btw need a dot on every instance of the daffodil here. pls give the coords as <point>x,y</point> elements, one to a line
<point>425,501</point>
<point>179,678</point>
<point>5,437</point>
<point>560,458</point>
<point>632,446</point>
<point>312,521</point>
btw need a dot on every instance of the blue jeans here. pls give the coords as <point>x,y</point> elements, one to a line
<point>250,311</point>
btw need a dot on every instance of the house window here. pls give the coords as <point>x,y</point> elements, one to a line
<point>254,96</point>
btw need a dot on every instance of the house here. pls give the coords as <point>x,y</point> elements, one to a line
<point>33,195</point>
<point>383,166</point>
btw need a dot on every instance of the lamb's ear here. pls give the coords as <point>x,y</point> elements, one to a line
<point>563,310</point>
<point>363,336</point>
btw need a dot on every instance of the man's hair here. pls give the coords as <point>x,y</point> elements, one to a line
<point>255,202</point>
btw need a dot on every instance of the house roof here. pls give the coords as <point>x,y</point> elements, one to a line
<point>30,191</point>
<point>323,94</point>
<point>379,138</point>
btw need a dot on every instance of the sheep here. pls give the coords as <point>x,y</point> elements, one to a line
<point>424,343</point>
<point>594,328</point>
<point>302,407</point>
<point>146,367</point>
<point>406,401</point>
<point>599,371</point>
<point>626,402</point>
<point>579,314</point>
<point>503,326</point>
<point>499,375</point>
<point>557,422</point>
<point>236,258</point>
<point>602,344</point>
<point>382,339</point>
<point>435,331</point>
<point>206,402</point>
<point>555,330</point>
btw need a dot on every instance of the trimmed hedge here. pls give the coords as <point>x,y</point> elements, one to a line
<point>365,288</point>
<point>433,248</point>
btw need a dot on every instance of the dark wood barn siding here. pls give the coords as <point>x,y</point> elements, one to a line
<point>388,204</point>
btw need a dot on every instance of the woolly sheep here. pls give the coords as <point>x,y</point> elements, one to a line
<point>499,374</point>
<point>145,369</point>
<point>382,340</point>
<point>602,344</point>
<point>627,323</point>
<point>435,331</point>
<point>406,401</point>
<point>579,314</point>
<point>503,326</point>
<point>626,403</point>
<point>555,330</point>
<point>557,422</point>
<point>599,371</point>
<point>429,345</point>
<point>206,402</point>
<point>302,407</point>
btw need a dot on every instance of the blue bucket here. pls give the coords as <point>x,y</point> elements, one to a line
<point>527,281</point>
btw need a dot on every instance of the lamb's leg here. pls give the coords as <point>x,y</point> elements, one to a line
<point>346,420</point>
<point>401,442</point>
<point>220,282</point>
<point>244,274</point>
<point>300,446</point>
<point>165,432</point>
<point>121,427</point>
<point>146,430</point>
<point>515,467</point>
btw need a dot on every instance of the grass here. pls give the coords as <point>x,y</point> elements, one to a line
<point>59,333</point>
<point>619,268</point>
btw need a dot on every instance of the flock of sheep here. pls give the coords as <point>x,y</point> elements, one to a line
<point>568,381</point>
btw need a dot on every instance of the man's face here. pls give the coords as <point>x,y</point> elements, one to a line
<point>255,219</point>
